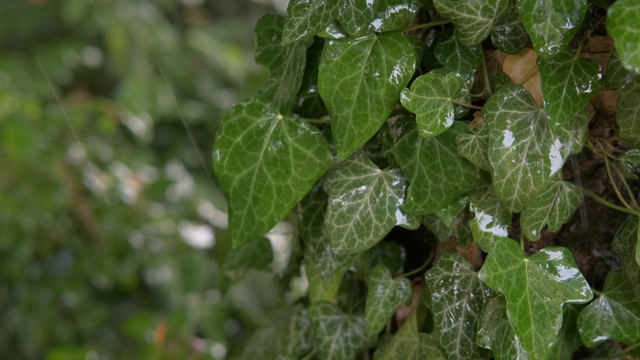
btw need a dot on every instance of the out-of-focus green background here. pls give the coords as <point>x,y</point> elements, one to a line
<point>112,228</point>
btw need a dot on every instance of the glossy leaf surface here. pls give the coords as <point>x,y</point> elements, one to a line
<point>305,18</point>
<point>551,24</point>
<point>410,344</point>
<point>509,34</point>
<point>535,289</point>
<point>393,15</point>
<point>628,108</point>
<point>356,16</point>
<point>622,24</point>
<point>473,19</point>
<point>491,220</point>
<point>432,98</point>
<point>360,81</point>
<point>613,315</point>
<point>459,58</point>
<point>495,332</point>
<point>568,83</point>
<point>569,338</point>
<point>457,299</point>
<point>266,163</point>
<point>364,204</point>
<point>384,296</point>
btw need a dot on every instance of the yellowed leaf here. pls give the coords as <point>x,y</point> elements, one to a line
<point>522,69</point>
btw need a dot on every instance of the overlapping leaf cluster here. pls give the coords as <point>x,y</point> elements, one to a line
<point>389,140</point>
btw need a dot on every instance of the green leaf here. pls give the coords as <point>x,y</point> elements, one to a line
<point>473,19</point>
<point>364,204</point>
<point>495,332</point>
<point>475,146</point>
<point>614,315</point>
<point>508,33</point>
<point>457,299</point>
<point>553,206</point>
<point>535,288</point>
<point>569,339</point>
<point>323,288</point>
<point>451,212</point>
<point>628,108</point>
<point>492,220</point>
<point>256,255</point>
<point>387,253</point>
<point>617,76</point>
<point>286,63</point>
<point>356,16</point>
<point>551,24</point>
<point>338,336</point>
<point>432,98</point>
<point>266,163</point>
<point>306,18</point>
<point>459,228</point>
<point>430,164</point>
<point>309,104</point>
<point>622,24</point>
<point>568,83</point>
<point>384,296</point>
<point>461,59</point>
<point>625,244</point>
<point>393,15</point>
<point>360,81</point>
<point>409,344</point>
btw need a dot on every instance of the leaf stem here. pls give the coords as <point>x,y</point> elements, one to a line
<point>310,355</point>
<point>627,187</point>
<point>613,182</point>
<point>521,240</point>
<point>428,25</point>
<point>609,204</point>
<point>470,106</point>
<point>485,74</point>
<point>418,270</point>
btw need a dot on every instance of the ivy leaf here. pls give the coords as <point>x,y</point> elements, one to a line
<point>338,336</point>
<point>551,24</point>
<point>430,164</point>
<point>508,33</point>
<point>622,24</point>
<point>389,254</point>
<point>364,204</point>
<point>384,295</point>
<point>495,332</point>
<point>286,63</point>
<point>625,244</point>
<point>459,229</point>
<point>473,19</point>
<point>491,221</point>
<point>459,58</point>
<point>309,104</point>
<point>256,255</point>
<point>323,288</point>
<point>617,76</point>
<point>451,212</point>
<point>356,16</point>
<point>360,81</point>
<point>568,83</point>
<point>535,288</point>
<point>305,18</point>
<point>457,299</point>
<point>393,15</point>
<point>266,163</point>
<point>553,206</point>
<point>569,339</point>
<point>614,315</point>
<point>432,98</point>
<point>475,146</point>
<point>628,108</point>
<point>409,344</point>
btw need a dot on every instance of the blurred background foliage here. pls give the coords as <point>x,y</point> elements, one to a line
<point>112,228</point>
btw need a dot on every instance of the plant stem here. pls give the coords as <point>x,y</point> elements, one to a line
<point>485,74</point>
<point>627,187</point>
<point>418,270</point>
<point>311,355</point>
<point>609,204</point>
<point>615,187</point>
<point>470,106</point>
<point>428,25</point>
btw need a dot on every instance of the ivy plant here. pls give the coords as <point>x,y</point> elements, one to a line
<point>428,155</point>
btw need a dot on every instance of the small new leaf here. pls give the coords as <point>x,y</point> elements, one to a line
<point>473,19</point>
<point>384,296</point>
<point>622,24</point>
<point>266,163</point>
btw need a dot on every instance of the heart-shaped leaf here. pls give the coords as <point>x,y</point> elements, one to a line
<point>286,63</point>
<point>568,83</point>
<point>495,332</point>
<point>615,314</point>
<point>535,288</point>
<point>622,24</point>
<point>551,24</point>
<point>509,34</point>
<point>473,19</point>
<point>491,221</point>
<point>628,108</point>
<point>429,165</point>
<point>338,336</point>
<point>457,299</point>
<point>364,204</point>
<point>459,58</point>
<point>266,163</point>
<point>306,18</point>
<point>384,296</point>
<point>625,244</point>
<point>409,344</point>
<point>360,81</point>
<point>432,98</point>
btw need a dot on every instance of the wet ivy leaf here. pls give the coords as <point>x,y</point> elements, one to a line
<point>266,163</point>
<point>473,19</point>
<point>364,204</point>
<point>495,332</point>
<point>500,80</point>
<point>569,339</point>
<point>409,344</point>
<point>323,288</point>
<point>286,63</point>
<point>551,24</point>
<point>306,18</point>
<point>451,212</point>
<point>628,108</point>
<point>384,296</point>
<point>617,76</point>
<point>457,299</point>
<point>430,164</point>
<point>338,336</point>
<point>625,244</point>
<point>461,59</point>
<point>255,255</point>
<point>622,24</point>
<point>393,15</point>
<point>356,16</point>
<point>535,288</point>
<point>432,98</point>
<point>568,83</point>
<point>491,221</point>
<point>614,315</point>
<point>508,33</point>
<point>475,146</point>
<point>360,81</point>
